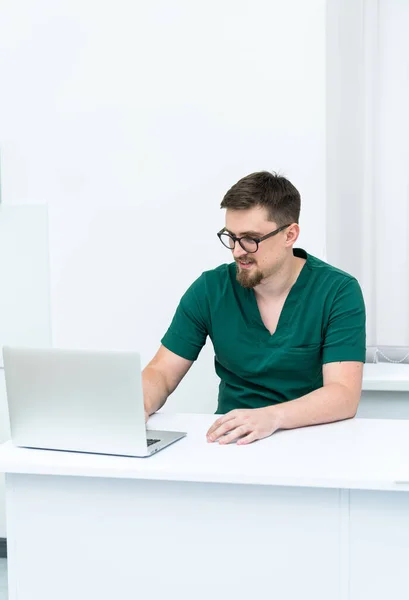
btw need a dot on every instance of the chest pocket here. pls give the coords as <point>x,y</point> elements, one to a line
<point>299,362</point>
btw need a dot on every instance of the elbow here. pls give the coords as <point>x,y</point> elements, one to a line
<point>351,401</point>
<point>352,404</point>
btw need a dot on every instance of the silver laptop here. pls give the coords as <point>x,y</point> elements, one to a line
<point>79,400</point>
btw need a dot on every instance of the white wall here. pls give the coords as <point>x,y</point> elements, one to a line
<point>368,157</point>
<point>24,293</point>
<point>131,121</point>
<point>5,435</point>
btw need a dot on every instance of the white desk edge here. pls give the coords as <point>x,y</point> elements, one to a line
<point>371,454</point>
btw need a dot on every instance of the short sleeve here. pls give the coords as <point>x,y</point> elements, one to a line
<point>188,330</point>
<point>345,336</point>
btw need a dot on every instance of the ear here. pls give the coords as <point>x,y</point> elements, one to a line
<point>292,234</point>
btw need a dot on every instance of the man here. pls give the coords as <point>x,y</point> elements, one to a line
<point>288,329</point>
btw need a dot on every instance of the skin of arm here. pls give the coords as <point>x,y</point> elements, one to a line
<point>337,400</point>
<point>161,377</point>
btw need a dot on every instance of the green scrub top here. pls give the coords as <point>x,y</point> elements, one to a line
<point>322,321</point>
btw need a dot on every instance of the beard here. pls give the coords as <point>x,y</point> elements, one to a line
<point>249,279</point>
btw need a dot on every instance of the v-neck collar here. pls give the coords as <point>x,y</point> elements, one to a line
<point>291,301</point>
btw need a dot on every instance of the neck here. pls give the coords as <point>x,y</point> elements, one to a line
<point>281,281</point>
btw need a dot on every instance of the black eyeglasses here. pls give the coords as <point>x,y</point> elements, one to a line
<point>249,244</point>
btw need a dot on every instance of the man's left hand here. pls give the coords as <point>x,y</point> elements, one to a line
<point>244,426</point>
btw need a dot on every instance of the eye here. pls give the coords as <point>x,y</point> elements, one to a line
<point>249,244</point>
<point>227,240</point>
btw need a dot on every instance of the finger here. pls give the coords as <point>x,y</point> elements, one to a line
<point>237,432</point>
<point>222,430</point>
<point>228,417</point>
<point>247,439</point>
<point>222,419</point>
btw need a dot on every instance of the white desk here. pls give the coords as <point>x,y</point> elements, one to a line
<point>386,377</point>
<point>319,513</point>
<point>385,391</point>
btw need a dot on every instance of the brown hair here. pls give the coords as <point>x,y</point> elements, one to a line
<point>274,192</point>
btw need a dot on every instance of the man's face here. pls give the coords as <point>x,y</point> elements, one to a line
<point>253,268</point>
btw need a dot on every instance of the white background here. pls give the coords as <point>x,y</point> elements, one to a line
<point>368,158</point>
<point>130,121</point>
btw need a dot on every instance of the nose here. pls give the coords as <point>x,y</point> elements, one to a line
<point>238,251</point>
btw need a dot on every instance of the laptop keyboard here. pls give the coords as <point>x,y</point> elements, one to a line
<point>151,441</point>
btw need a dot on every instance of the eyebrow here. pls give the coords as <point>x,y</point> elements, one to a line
<point>244,233</point>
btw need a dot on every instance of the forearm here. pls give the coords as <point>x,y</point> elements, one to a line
<point>333,402</point>
<point>155,389</point>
